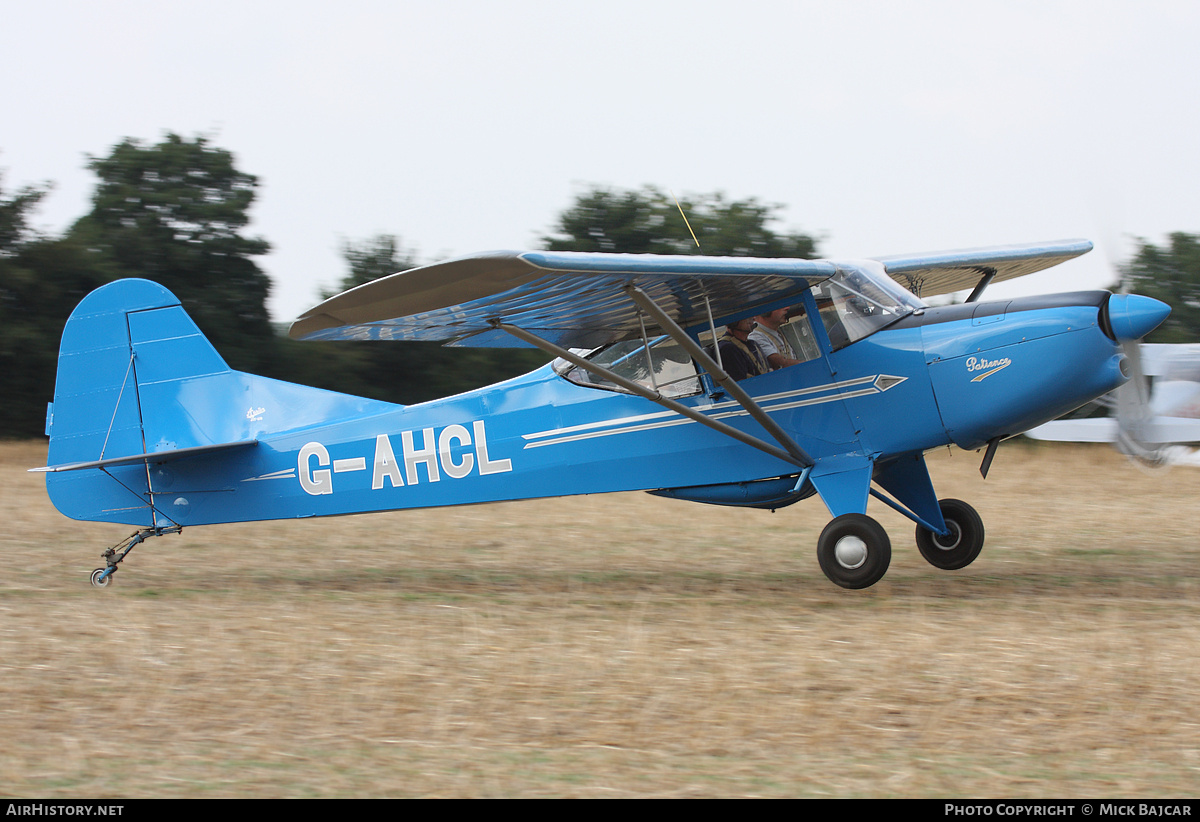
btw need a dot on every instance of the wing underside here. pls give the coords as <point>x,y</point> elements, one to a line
<point>573,300</point>
<point>928,275</point>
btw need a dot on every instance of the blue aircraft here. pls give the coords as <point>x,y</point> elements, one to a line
<point>151,428</point>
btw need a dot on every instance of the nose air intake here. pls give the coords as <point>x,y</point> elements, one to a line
<point>1129,317</point>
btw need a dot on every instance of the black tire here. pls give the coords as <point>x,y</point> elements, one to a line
<point>962,546</point>
<point>854,551</point>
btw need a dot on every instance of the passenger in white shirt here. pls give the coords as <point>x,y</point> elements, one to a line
<point>771,342</point>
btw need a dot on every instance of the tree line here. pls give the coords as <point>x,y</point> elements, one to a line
<point>177,212</point>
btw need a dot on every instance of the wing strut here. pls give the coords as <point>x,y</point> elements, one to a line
<point>653,396</point>
<point>720,375</point>
<point>989,274</point>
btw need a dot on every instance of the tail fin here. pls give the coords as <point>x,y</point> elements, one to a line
<point>138,385</point>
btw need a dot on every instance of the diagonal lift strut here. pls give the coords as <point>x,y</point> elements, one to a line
<point>791,452</point>
<point>719,374</point>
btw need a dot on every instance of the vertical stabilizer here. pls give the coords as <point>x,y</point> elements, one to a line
<point>139,385</point>
<point>96,414</point>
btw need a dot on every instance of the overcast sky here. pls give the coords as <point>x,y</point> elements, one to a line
<point>880,127</point>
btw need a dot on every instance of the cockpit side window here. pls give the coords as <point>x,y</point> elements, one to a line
<point>662,366</point>
<point>799,333</point>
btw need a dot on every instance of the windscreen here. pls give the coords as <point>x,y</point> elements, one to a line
<point>856,302</point>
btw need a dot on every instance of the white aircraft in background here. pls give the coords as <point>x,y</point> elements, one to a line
<point>1154,418</point>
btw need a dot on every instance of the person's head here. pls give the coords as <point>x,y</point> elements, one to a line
<point>740,329</point>
<point>773,319</point>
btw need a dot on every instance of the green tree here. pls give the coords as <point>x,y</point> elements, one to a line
<point>375,257</point>
<point>1170,273</point>
<point>41,281</point>
<point>647,221</point>
<point>14,216</point>
<point>174,213</point>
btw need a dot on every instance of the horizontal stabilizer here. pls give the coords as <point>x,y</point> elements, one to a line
<point>150,458</point>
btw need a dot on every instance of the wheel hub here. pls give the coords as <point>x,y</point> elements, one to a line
<point>850,552</point>
<point>951,540</point>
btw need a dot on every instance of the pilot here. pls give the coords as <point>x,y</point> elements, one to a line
<point>740,356</point>
<point>774,346</point>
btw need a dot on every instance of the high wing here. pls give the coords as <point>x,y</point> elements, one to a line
<point>1091,429</point>
<point>575,300</point>
<point>1174,361</point>
<point>928,275</point>
<point>1153,431</point>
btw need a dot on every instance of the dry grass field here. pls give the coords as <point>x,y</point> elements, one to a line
<point>614,646</point>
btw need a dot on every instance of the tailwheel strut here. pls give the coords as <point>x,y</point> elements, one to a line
<point>102,577</point>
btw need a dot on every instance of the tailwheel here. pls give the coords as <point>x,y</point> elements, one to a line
<point>102,577</point>
<point>961,546</point>
<point>854,551</point>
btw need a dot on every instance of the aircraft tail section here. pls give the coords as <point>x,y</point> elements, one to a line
<point>140,386</point>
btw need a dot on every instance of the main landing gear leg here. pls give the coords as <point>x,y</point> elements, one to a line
<point>102,577</point>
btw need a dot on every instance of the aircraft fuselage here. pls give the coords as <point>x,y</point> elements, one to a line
<point>962,375</point>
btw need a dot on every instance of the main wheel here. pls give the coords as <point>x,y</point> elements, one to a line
<point>96,578</point>
<point>854,551</point>
<point>961,546</point>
